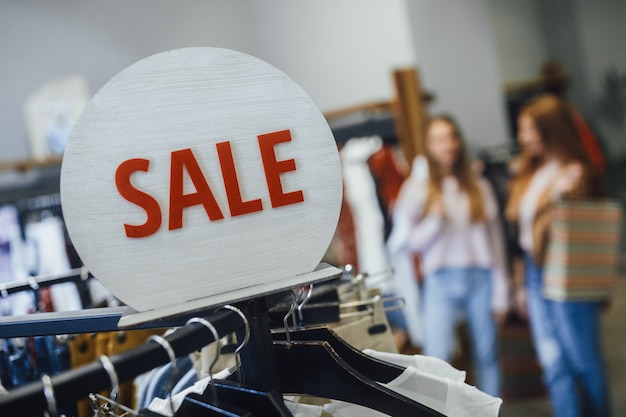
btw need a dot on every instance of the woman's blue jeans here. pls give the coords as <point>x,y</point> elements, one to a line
<point>566,335</point>
<point>449,292</point>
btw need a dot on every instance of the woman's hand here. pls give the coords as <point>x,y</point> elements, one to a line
<point>499,316</point>
<point>521,302</point>
<point>568,179</point>
<point>438,209</point>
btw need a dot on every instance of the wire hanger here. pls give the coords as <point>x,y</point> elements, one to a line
<point>110,406</point>
<point>72,385</point>
<point>51,401</point>
<point>259,403</point>
<point>246,338</point>
<point>199,405</point>
<point>172,356</point>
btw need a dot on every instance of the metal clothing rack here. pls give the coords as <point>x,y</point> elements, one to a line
<point>258,359</point>
<point>91,320</point>
<point>79,383</point>
<point>34,283</point>
<point>260,367</point>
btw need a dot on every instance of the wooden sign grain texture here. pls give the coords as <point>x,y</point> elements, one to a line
<point>175,140</point>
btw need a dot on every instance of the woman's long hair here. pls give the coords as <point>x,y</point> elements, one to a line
<point>461,170</point>
<point>553,119</point>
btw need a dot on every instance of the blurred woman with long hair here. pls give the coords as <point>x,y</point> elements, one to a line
<point>456,230</point>
<point>553,166</point>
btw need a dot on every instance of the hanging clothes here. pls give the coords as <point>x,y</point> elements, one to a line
<point>369,223</point>
<point>47,240</point>
<point>403,260</point>
<point>12,263</point>
<point>164,405</point>
<point>451,397</point>
<point>428,364</point>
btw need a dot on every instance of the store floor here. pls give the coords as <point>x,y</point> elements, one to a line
<point>614,335</point>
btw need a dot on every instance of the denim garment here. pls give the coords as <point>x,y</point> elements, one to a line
<point>163,382</point>
<point>5,375</point>
<point>42,355</point>
<point>448,293</point>
<point>396,318</point>
<point>20,367</point>
<point>566,336</point>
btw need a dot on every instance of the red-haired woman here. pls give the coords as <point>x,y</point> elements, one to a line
<point>554,165</point>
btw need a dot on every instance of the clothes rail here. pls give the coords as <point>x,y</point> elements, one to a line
<point>34,283</point>
<point>92,320</point>
<point>30,400</point>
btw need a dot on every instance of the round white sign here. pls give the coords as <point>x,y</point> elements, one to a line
<point>200,175</point>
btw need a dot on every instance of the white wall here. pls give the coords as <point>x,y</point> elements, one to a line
<point>456,56</point>
<point>586,37</point>
<point>603,32</point>
<point>40,40</point>
<point>519,39</point>
<point>603,29</point>
<point>341,52</point>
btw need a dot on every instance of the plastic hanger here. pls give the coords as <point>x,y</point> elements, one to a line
<point>321,372</point>
<point>260,403</point>
<point>368,366</point>
<point>195,405</point>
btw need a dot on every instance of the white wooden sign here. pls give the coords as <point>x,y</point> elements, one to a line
<point>200,176</point>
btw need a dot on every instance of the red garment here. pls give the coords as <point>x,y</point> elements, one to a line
<point>388,179</point>
<point>388,176</point>
<point>590,141</point>
<point>345,241</point>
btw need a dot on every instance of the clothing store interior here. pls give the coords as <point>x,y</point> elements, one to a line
<point>456,174</point>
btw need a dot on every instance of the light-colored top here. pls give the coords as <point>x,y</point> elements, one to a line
<point>428,364</point>
<point>452,241</point>
<point>450,397</point>
<point>541,180</point>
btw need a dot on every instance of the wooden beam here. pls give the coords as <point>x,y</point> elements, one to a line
<point>28,164</point>
<point>373,107</point>
<point>410,111</point>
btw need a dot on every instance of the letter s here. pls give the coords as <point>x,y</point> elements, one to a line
<point>137,197</point>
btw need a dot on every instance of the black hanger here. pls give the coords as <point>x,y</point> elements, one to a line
<point>366,365</point>
<point>148,413</point>
<point>314,368</point>
<point>195,405</point>
<point>257,403</point>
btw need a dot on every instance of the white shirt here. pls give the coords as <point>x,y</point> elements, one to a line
<point>450,398</point>
<point>453,241</point>
<point>428,364</point>
<point>165,406</point>
<point>541,180</point>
